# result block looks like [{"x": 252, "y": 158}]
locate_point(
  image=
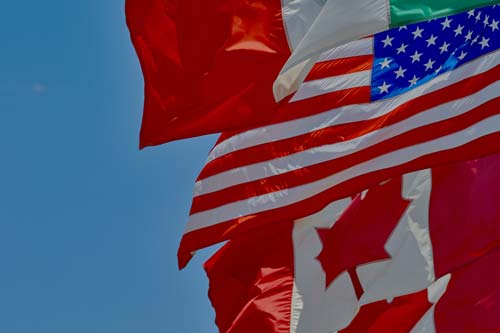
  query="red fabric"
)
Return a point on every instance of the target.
[
  {"x": 399, "y": 316},
  {"x": 472, "y": 300},
  {"x": 251, "y": 282},
  {"x": 208, "y": 65},
  {"x": 464, "y": 212}
]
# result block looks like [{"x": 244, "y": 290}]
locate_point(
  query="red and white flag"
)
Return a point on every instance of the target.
[{"x": 383, "y": 259}]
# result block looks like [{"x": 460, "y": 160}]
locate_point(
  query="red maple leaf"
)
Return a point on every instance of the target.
[{"x": 360, "y": 234}]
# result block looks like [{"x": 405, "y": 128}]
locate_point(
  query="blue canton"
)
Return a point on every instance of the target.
[{"x": 412, "y": 55}]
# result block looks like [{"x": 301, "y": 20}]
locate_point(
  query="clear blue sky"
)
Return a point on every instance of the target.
[{"x": 89, "y": 225}]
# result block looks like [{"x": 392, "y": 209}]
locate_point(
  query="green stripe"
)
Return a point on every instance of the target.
[{"x": 410, "y": 11}]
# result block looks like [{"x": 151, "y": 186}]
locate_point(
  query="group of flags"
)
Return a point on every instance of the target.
[{"x": 356, "y": 180}]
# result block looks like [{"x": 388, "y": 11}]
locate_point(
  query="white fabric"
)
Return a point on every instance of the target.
[
  {"x": 361, "y": 47},
  {"x": 320, "y": 304},
  {"x": 298, "y": 15},
  {"x": 339, "y": 22}
]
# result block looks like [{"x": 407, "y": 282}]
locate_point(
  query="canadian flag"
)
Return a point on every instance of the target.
[{"x": 415, "y": 254}]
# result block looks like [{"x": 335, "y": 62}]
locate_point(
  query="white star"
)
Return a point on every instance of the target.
[
  {"x": 446, "y": 23},
  {"x": 413, "y": 81},
  {"x": 444, "y": 47},
  {"x": 431, "y": 40},
  {"x": 484, "y": 43},
  {"x": 400, "y": 72},
  {"x": 494, "y": 25},
  {"x": 384, "y": 88},
  {"x": 468, "y": 36},
  {"x": 385, "y": 63},
  {"x": 403, "y": 27},
  {"x": 471, "y": 13},
  {"x": 474, "y": 41},
  {"x": 402, "y": 48},
  {"x": 458, "y": 30},
  {"x": 462, "y": 55},
  {"x": 417, "y": 33},
  {"x": 429, "y": 65},
  {"x": 387, "y": 41},
  {"x": 478, "y": 16},
  {"x": 486, "y": 21},
  {"x": 438, "y": 70},
  {"x": 416, "y": 57}
]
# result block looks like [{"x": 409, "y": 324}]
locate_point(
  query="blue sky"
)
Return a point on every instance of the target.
[{"x": 89, "y": 225}]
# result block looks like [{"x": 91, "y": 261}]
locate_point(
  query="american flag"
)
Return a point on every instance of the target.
[{"x": 401, "y": 100}]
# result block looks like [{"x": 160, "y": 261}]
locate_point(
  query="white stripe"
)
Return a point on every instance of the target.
[
  {"x": 290, "y": 196},
  {"x": 360, "y": 47},
  {"x": 339, "y": 22},
  {"x": 331, "y": 84},
  {"x": 333, "y": 151},
  {"x": 350, "y": 113}
]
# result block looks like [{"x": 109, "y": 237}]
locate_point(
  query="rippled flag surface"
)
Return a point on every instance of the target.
[{"x": 405, "y": 99}]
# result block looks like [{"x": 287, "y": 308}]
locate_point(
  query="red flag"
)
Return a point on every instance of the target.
[
  {"x": 251, "y": 283},
  {"x": 208, "y": 65}
]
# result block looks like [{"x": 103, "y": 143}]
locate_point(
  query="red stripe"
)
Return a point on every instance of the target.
[
  {"x": 322, "y": 170},
  {"x": 204, "y": 237},
  {"x": 344, "y": 132},
  {"x": 319, "y": 104},
  {"x": 325, "y": 69}
]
